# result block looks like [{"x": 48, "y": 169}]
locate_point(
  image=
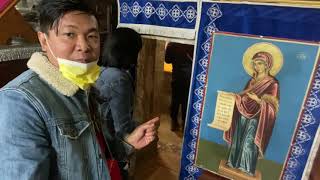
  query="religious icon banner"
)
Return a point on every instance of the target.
[
  {"x": 264, "y": 74},
  {"x": 261, "y": 20}
]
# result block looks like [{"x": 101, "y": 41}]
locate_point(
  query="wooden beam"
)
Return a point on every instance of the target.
[{"x": 8, "y": 7}]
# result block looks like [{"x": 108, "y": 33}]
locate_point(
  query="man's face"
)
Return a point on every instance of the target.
[{"x": 77, "y": 39}]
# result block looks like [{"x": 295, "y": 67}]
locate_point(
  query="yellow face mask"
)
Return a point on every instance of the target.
[{"x": 81, "y": 74}]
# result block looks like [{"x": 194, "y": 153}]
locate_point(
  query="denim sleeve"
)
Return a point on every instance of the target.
[
  {"x": 121, "y": 106},
  {"x": 25, "y": 149}
]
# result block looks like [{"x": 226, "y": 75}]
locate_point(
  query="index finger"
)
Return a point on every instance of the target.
[{"x": 154, "y": 120}]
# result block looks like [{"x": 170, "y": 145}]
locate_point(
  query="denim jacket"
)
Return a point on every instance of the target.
[
  {"x": 45, "y": 128},
  {"x": 115, "y": 91}
]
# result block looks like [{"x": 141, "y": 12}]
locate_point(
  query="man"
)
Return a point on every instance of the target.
[{"x": 50, "y": 125}]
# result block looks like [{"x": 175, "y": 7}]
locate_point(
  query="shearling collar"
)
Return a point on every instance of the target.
[{"x": 40, "y": 64}]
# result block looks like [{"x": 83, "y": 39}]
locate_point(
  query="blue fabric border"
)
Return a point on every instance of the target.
[
  {"x": 276, "y": 21},
  {"x": 159, "y": 13},
  {"x": 290, "y": 22}
]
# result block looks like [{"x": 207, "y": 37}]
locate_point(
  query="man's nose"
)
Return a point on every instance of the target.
[{"x": 83, "y": 44}]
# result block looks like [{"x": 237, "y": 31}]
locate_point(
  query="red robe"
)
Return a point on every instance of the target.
[{"x": 268, "y": 91}]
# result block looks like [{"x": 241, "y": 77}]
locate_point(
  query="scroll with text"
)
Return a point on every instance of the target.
[{"x": 224, "y": 111}]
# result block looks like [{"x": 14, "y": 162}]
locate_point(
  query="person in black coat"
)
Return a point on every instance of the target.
[{"x": 180, "y": 55}]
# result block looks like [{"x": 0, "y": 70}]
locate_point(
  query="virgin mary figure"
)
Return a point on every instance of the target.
[{"x": 256, "y": 109}]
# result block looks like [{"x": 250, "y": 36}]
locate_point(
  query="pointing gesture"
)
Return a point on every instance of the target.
[{"x": 144, "y": 134}]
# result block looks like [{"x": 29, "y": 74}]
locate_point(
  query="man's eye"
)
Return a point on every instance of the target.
[
  {"x": 93, "y": 36},
  {"x": 70, "y": 35}
]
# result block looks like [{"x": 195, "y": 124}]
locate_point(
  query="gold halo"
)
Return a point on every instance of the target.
[{"x": 267, "y": 47}]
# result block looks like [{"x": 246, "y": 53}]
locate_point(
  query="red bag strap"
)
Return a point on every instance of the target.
[
  {"x": 98, "y": 131},
  {"x": 110, "y": 163}
]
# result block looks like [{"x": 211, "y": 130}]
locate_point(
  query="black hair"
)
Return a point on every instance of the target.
[
  {"x": 51, "y": 11},
  {"x": 121, "y": 48}
]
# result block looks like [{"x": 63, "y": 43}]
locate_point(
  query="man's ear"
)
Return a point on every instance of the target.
[{"x": 42, "y": 40}]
